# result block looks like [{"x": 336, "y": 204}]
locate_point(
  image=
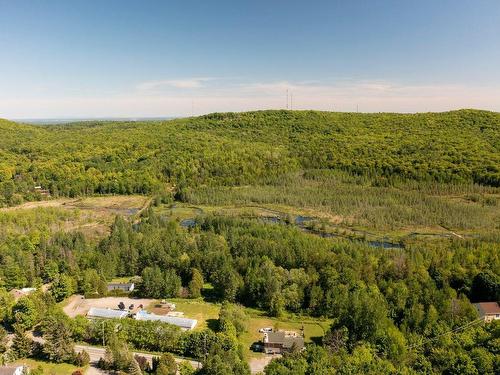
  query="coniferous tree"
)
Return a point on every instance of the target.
[
  {"x": 196, "y": 283},
  {"x": 59, "y": 344},
  {"x": 22, "y": 345}
]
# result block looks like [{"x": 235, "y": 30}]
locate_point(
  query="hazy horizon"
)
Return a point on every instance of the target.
[
  {"x": 63, "y": 120},
  {"x": 88, "y": 59}
]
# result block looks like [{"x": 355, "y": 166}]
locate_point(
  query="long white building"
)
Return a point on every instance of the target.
[
  {"x": 183, "y": 323},
  {"x": 98, "y": 313}
]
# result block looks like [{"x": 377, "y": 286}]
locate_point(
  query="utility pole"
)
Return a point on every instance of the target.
[
  {"x": 103, "y": 340},
  {"x": 286, "y": 98}
]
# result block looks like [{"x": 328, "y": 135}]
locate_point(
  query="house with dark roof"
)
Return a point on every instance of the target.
[
  {"x": 280, "y": 342},
  {"x": 488, "y": 311}
]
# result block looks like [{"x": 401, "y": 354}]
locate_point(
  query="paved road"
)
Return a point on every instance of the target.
[{"x": 95, "y": 353}]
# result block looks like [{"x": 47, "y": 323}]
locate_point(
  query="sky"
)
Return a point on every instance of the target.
[{"x": 119, "y": 58}]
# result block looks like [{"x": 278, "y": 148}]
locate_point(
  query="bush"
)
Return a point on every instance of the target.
[
  {"x": 82, "y": 359},
  {"x": 143, "y": 362}
]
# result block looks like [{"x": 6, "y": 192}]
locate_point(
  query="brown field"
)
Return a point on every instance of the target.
[
  {"x": 78, "y": 305},
  {"x": 92, "y": 216}
]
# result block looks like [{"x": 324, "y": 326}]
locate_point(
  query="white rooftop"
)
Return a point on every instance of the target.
[
  {"x": 184, "y": 323},
  {"x": 96, "y": 312}
]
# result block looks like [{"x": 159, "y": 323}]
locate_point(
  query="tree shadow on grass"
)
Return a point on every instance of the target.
[
  {"x": 213, "y": 324},
  {"x": 209, "y": 295},
  {"x": 318, "y": 340}
]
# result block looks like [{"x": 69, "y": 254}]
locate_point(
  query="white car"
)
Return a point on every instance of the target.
[{"x": 264, "y": 330}]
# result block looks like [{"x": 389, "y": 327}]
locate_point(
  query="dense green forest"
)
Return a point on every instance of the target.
[
  {"x": 402, "y": 310},
  {"x": 246, "y": 148},
  {"x": 393, "y": 311}
]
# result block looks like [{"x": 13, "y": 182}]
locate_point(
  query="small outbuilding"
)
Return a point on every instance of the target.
[
  {"x": 488, "y": 311},
  {"x": 125, "y": 287},
  {"x": 98, "y": 313}
]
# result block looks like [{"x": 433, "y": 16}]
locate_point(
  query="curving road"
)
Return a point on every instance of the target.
[{"x": 95, "y": 353}]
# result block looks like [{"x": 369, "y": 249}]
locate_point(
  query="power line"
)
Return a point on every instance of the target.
[{"x": 455, "y": 330}]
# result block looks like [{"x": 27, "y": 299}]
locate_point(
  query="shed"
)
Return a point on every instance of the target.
[{"x": 126, "y": 287}]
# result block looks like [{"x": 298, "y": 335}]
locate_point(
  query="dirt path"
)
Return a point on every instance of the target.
[
  {"x": 258, "y": 364},
  {"x": 37, "y": 204}
]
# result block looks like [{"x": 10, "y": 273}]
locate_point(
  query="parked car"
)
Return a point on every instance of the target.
[
  {"x": 256, "y": 347},
  {"x": 266, "y": 329}
]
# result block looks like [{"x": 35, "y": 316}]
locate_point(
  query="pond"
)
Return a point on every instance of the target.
[
  {"x": 188, "y": 223},
  {"x": 301, "y": 222}
]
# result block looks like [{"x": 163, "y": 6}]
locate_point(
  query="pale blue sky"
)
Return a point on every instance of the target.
[{"x": 162, "y": 58}]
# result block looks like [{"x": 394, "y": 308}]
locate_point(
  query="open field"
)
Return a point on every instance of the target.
[
  {"x": 92, "y": 215},
  {"x": 207, "y": 314},
  {"x": 314, "y": 329},
  {"x": 372, "y": 214},
  {"x": 125, "y": 204},
  {"x": 77, "y": 305},
  {"x": 204, "y": 312},
  {"x": 48, "y": 367}
]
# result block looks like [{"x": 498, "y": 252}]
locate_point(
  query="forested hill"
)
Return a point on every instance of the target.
[{"x": 245, "y": 148}]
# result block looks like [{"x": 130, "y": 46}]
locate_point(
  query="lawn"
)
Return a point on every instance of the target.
[
  {"x": 49, "y": 368},
  {"x": 207, "y": 314},
  {"x": 314, "y": 329},
  {"x": 91, "y": 216}
]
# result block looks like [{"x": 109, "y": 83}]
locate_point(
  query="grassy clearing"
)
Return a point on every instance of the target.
[
  {"x": 92, "y": 216},
  {"x": 119, "y": 202},
  {"x": 314, "y": 329},
  {"x": 49, "y": 368},
  {"x": 380, "y": 209},
  {"x": 355, "y": 206},
  {"x": 207, "y": 314}
]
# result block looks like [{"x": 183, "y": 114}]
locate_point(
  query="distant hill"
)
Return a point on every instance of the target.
[{"x": 246, "y": 148}]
